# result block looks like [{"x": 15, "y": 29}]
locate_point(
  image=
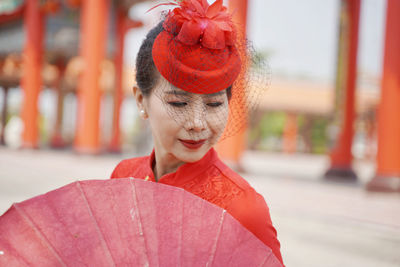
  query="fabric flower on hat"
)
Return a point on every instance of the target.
[
  {"x": 195, "y": 21},
  {"x": 196, "y": 51}
]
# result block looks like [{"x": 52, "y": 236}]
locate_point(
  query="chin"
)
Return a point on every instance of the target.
[{"x": 192, "y": 156}]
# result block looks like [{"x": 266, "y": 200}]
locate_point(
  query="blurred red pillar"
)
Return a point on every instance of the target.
[
  {"x": 290, "y": 133},
  {"x": 123, "y": 24},
  {"x": 231, "y": 149},
  {"x": 115, "y": 144},
  {"x": 341, "y": 156},
  {"x": 4, "y": 18},
  {"x": 57, "y": 139},
  {"x": 32, "y": 80},
  {"x": 388, "y": 157},
  {"x": 4, "y": 115},
  {"x": 93, "y": 39},
  {"x": 74, "y": 3}
]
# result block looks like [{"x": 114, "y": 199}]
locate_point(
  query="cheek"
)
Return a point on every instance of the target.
[
  {"x": 163, "y": 126},
  {"x": 219, "y": 120}
]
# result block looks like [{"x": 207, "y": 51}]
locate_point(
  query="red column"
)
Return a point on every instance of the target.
[
  {"x": 341, "y": 157},
  {"x": 290, "y": 133},
  {"x": 123, "y": 24},
  {"x": 4, "y": 114},
  {"x": 93, "y": 40},
  {"x": 115, "y": 144},
  {"x": 74, "y": 3},
  {"x": 31, "y": 80},
  {"x": 231, "y": 149},
  {"x": 17, "y": 13},
  {"x": 57, "y": 140},
  {"x": 388, "y": 157}
]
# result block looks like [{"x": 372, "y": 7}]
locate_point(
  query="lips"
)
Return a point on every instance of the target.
[{"x": 192, "y": 144}]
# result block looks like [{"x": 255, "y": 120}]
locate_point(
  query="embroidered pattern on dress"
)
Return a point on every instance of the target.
[{"x": 214, "y": 187}]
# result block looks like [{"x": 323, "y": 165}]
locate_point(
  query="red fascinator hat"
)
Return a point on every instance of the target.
[{"x": 196, "y": 52}]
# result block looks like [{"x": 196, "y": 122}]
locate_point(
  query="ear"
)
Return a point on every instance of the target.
[
  {"x": 140, "y": 101},
  {"x": 138, "y": 95}
]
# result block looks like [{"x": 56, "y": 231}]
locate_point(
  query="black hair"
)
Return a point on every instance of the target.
[{"x": 146, "y": 72}]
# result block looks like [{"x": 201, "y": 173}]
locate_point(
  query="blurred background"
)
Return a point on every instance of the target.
[{"x": 326, "y": 161}]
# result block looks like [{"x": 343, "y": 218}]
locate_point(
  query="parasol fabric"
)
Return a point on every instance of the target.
[{"x": 125, "y": 222}]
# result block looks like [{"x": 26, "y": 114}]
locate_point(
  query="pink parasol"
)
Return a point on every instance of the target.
[{"x": 125, "y": 222}]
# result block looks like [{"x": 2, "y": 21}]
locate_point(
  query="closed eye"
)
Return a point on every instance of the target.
[
  {"x": 214, "y": 104},
  {"x": 177, "y": 104}
]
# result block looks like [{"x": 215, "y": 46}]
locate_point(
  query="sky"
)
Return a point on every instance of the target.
[{"x": 299, "y": 37}]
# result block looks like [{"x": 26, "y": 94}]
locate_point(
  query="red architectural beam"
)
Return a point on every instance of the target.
[
  {"x": 123, "y": 24},
  {"x": 115, "y": 144},
  {"x": 388, "y": 158},
  {"x": 289, "y": 142},
  {"x": 16, "y": 14},
  {"x": 341, "y": 156},
  {"x": 231, "y": 149},
  {"x": 31, "y": 80},
  {"x": 73, "y": 3},
  {"x": 93, "y": 39}
]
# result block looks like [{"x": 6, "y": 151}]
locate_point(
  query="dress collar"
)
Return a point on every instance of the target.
[{"x": 185, "y": 172}]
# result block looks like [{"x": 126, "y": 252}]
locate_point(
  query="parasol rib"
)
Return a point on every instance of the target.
[
  {"x": 38, "y": 233},
  {"x": 181, "y": 232},
  {"x": 214, "y": 248},
  {"x": 137, "y": 215},
  {"x": 103, "y": 241}
]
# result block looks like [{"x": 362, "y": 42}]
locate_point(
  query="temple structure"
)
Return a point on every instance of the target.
[{"x": 95, "y": 16}]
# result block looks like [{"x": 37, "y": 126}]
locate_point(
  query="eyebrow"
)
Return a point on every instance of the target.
[
  {"x": 216, "y": 94},
  {"x": 184, "y": 93},
  {"x": 176, "y": 92}
]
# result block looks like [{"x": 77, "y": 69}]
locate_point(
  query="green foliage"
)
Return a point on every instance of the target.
[
  {"x": 272, "y": 124},
  {"x": 44, "y": 129},
  {"x": 319, "y": 137},
  {"x": 266, "y": 133}
]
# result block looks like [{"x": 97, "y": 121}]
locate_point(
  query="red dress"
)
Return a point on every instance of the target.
[{"x": 210, "y": 179}]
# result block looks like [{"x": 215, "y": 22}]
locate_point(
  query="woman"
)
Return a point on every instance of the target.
[{"x": 189, "y": 74}]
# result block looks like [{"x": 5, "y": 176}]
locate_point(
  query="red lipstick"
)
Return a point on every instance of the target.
[{"x": 193, "y": 144}]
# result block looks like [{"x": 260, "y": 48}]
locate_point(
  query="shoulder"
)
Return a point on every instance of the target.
[
  {"x": 236, "y": 191},
  {"x": 217, "y": 183},
  {"x": 249, "y": 202},
  {"x": 233, "y": 176},
  {"x": 129, "y": 167}
]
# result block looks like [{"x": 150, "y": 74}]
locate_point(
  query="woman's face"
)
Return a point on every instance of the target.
[{"x": 184, "y": 125}]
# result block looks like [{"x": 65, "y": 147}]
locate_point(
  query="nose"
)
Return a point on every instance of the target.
[{"x": 196, "y": 121}]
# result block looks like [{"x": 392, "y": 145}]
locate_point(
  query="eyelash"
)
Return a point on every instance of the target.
[
  {"x": 214, "y": 104},
  {"x": 177, "y": 104},
  {"x": 182, "y": 104}
]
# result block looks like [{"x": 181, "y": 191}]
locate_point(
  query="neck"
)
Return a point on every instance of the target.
[{"x": 165, "y": 163}]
